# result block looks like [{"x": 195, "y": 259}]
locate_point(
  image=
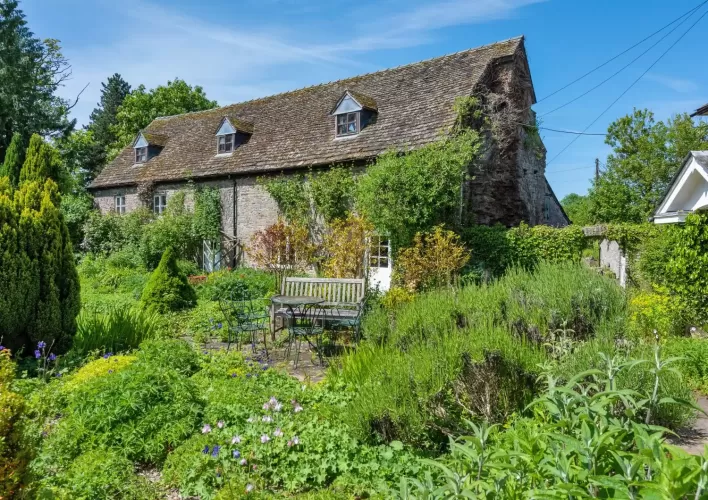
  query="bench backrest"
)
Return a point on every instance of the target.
[{"x": 333, "y": 290}]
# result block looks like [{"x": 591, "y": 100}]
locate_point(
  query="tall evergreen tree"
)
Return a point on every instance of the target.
[
  {"x": 38, "y": 278},
  {"x": 13, "y": 160},
  {"x": 103, "y": 117},
  {"x": 41, "y": 162},
  {"x": 31, "y": 71}
]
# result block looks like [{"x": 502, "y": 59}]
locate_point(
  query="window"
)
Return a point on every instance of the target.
[
  {"x": 141, "y": 155},
  {"x": 120, "y": 204},
  {"x": 347, "y": 124},
  {"x": 159, "y": 203},
  {"x": 225, "y": 143},
  {"x": 379, "y": 251}
]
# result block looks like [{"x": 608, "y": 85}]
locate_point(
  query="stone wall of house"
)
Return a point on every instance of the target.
[
  {"x": 554, "y": 215},
  {"x": 104, "y": 199},
  {"x": 255, "y": 209}
]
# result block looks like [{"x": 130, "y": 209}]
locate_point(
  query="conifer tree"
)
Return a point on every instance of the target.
[
  {"x": 168, "y": 288},
  {"x": 38, "y": 278},
  {"x": 41, "y": 162},
  {"x": 13, "y": 160}
]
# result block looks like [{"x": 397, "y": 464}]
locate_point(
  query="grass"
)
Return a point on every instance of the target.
[{"x": 117, "y": 330}]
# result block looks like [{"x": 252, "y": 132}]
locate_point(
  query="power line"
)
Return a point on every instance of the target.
[
  {"x": 691, "y": 12},
  {"x": 632, "y": 84},
  {"x": 564, "y": 131},
  {"x": 621, "y": 53},
  {"x": 569, "y": 169}
]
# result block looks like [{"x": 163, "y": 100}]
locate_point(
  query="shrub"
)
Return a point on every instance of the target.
[
  {"x": 76, "y": 208},
  {"x": 654, "y": 256},
  {"x": 102, "y": 233},
  {"x": 333, "y": 193},
  {"x": 434, "y": 260},
  {"x": 345, "y": 247},
  {"x": 168, "y": 289},
  {"x": 141, "y": 411},
  {"x": 104, "y": 365},
  {"x": 281, "y": 249},
  {"x": 692, "y": 362},
  {"x": 101, "y": 474},
  {"x": 12, "y": 461},
  {"x": 651, "y": 312},
  {"x": 116, "y": 330},
  {"x": 688, "y": 268},
  {"x": 40, "y": 285},
  {"x": 241, "y": 282},
  {"x": 14, "y": 157},
  {"x": 395, "y": 297},
  {"x": 41, "y": 162}
]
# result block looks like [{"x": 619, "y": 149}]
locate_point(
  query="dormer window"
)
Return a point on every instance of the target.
[
  {"x": 225, "y": 143},
  {"x": 353, "y": 112},
  {"x": 141, "y": 154},
  {"x": 348, "y": 124}
]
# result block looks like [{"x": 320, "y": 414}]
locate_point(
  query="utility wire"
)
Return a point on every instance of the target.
[
  {"x": 690, "y": 13},
  {"x": 562, "y": 131},
  {"x": 631, "y": 85},
  {"x": 569, "y": 169},
  {"x": 621, "y": 53}
]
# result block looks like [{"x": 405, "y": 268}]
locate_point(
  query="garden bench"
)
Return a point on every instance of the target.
[{"x": 343, "y": 297}]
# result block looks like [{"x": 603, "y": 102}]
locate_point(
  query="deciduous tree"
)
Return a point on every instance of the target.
[{"x": 577, "y": 207}]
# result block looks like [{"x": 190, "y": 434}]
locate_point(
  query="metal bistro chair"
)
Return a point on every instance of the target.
[
  {"x": 249, "y": 317},
  {"x": 346, "y": 318},
  {"x": 307, "y": 323}
]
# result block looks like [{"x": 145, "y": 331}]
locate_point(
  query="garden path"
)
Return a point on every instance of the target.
[{"x": 693, "y": 439}]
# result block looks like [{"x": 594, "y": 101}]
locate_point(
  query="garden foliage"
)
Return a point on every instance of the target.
[
  {"x": 168, "y": 288},
  {"x": 14, "y": 157},
  {"x": 433, "y": 261},
  {"x": 115, "y": 330},
  {"x": 345, "y": 246},
  {"x": 12, "y": 459},
  {"x": 38, "y": 278},
  {"x": 41, "y": 162}
]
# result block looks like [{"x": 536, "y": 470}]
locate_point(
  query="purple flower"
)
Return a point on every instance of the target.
[
  {"x": 219, "y": 325},
  {"x": 243, "y": 462},
  {"x": 110, "y": 371},
  {"x": 236, "y": 453},
  {"x": 236, "y": 440},
  {"x": 215, "y": 451},
  {"x": 266, "y": 406},
  {"x": 278, "y": 433},
  {"x": 41, "y": 344},
  {"x": 37, "y": 354},
  {"x": 59, "y": 375},
  {"x": 265, "y": 438},
  {"x": 265, "y": 367},
  {"x": 234, "y": 375},
  {"x": 206, "y": 429},
  {"x": 220, "y": 424},
  {"x": 205, "y": 450},
  {"x": 248, "y": 375},
  {"x": 107, "y": 355},
  {"x": 52, "y": 357},
  {"x": 2, "y": 347}
]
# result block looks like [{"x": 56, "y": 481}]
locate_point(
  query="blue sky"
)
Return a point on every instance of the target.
[{"x": 251, "y": 48}]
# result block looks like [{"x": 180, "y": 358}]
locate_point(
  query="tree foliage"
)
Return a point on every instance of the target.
[
  {"x": 30, "y": 73},
  {"x": 141, "y": 107},
  {"x": 405, "y": 194},
  {"x": 14, "y": 157},
  {"x": 577, "y": 207},
  {"x": 646, "y": 155},
  {"x": 333, "y": 193},
  {"x": 40, "y": 298},
  {"x": 104, "y": 116},
  {"x": 41, "y": 162},
  {"x": 168, "y": 288}
]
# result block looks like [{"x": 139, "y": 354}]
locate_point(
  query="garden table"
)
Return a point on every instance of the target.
[{"x": 292, "y": 302}]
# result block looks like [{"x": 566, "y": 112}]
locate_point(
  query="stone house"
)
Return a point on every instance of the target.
[{"x": 349, "y": 122}]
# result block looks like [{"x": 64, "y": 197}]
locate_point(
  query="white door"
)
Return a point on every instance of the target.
[
  {"x": 380, "y": 264},
  {"x": 211, "y": 256}
]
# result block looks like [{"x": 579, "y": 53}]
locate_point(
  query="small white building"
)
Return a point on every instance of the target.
[{"x": 688, "y": 191}]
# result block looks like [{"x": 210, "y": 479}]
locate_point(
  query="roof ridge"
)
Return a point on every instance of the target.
[{"x": 308, "y": 87}]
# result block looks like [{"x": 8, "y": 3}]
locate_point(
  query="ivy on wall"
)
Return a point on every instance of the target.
[{"x": 206, "y": 222}]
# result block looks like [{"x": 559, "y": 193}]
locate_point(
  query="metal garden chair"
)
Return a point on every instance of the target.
[
  {"x": 250, "y": 317},
  {"x": 306, "y": 323}
]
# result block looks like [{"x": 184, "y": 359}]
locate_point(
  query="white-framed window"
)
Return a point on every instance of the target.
[
  {"x": 379, "y": 252},
  {"x": 120, "y": 204},
  {"x": 225, "y": 143},
  {"x": 141, "y": 155},
  {"x": 348, "y": 124},
  {"x": 159, "y": 203}
]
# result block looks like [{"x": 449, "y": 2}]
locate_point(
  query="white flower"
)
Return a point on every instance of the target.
[
  {"x": 267, "y": 418},
  {"x": 296, "y": 440},
  {"x": 206, "y": 429},
  {"x": 220, "y": 424},
  {"x": 297, "y": 409},
  {"x": 278, "y": 433},
  {"x": 250, "y": 420},
  {"x": 266, "y": 406},
  {"x": 277, "y": 407},
  {"x": 265, "y": 438},
  {"x": 236, "y": 440},
  {"x": 243, "y": 461},
  {"x": 249, "y": 488}
]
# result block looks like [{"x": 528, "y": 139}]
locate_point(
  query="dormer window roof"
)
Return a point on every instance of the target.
[
  {"x": 227, "y": 133},
  {"x": 348, "y": 113},
  {"x": 147, "y": 145}
]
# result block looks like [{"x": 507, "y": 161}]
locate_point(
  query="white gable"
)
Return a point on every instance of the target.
[
  {"x": 347, "y": 105},
  {"x": 140, "y": 142},
  {"x": 688, "y": 192},
  {"x": 226, "y": 128}
]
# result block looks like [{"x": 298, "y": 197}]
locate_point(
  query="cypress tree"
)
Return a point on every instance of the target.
[
  {"x": 13, "y": 160},
  {"x": 168, "y": 288},
  {"x": 41, "y": 162},
  {"x": 38, "y": 278}
]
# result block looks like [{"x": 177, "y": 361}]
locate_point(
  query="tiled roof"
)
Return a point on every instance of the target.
[
  {"x": 294, "y": 129},
  {"x": 155, "y": 139}
]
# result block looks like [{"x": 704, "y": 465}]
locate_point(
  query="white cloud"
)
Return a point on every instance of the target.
[
  {"x": 234, "y": 62},
  {"x": 681, "y": 85}
]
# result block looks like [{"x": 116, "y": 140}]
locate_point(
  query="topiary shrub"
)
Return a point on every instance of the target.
[{"x": 168, "y": 288}]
